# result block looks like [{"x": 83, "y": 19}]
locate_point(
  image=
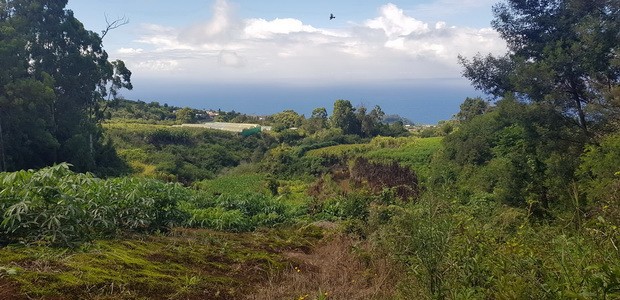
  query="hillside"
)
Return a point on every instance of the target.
[{"x": 517, "y": 196}]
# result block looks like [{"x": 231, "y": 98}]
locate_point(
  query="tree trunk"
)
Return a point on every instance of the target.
[{"x": 2, "y": 147}]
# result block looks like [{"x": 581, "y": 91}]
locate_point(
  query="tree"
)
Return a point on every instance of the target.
[
  {"x": 472, "y": 107},
  {"x": 369, "y": 123},
  {"x": 43, "y": 42},
  {"x": 561, "y": 52},
  {"x": 286, "y": 119},
  {"x": 525, "y": 154},
  {"x": 343, "y": 117},
  {"x": 185, "y": 115},
  {"x": 317, "y": 121}
]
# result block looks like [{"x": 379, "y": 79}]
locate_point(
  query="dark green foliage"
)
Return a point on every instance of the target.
[
  {"x": 562, "y": 53},
  {"x": 55, "y": 75},
  {"x": 26, "y": 125},
  {"x": 286, "y": 120},
  {"x": 343, "y": 117},
  {"x": 291, "y": 162},
  {"x": 289, "y": 136},
  {"x": 317, "y": 121},
  {"x": 140, "y": 111},
  {"x": 184, "y": 154},
  {"x": 163, "y": 137},
  {"x": 472, "y": 107},
  {"x": 523, "y": 153},
  {"x": 185, "y": 115}
]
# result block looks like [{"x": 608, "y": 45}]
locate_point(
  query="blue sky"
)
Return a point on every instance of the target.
[{"x": 291, "y": 47}]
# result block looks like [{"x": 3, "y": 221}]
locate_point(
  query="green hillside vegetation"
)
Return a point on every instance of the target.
[
  {"x": 516, "y": 197},
  {"x": 183, "y": 154}
]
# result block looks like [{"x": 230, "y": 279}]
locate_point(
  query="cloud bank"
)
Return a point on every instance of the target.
[{"x": 391, "y": 46}]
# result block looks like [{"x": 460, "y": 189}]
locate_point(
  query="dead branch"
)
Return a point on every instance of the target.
[{"x": 118, "y": 22}]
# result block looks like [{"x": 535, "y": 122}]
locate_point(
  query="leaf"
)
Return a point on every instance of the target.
[
  {"x": 11, "y": 271},
  {"x": 8, "y": 271}
]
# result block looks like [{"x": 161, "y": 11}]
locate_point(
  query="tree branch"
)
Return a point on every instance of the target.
[{"x": 118, "y": 22}]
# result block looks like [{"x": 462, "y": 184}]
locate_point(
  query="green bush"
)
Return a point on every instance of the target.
[
  {"x": 238, "y": 211},
  {"x": 58, "y": 207},
  {"x": 351, "y": 206}
]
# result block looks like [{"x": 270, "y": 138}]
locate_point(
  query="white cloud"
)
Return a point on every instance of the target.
[
  {"x": 130, "y": 50},
  {"x": 262, "y": 29},
  {"x": 395, "y": 23},
  {"x": 157, "y": 65},
  {"x": 392, "y": 46},
  {"x": 230, "y": 59}
]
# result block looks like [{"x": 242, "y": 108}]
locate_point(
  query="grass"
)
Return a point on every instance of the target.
[
  {"x": 415, "y": 153},
  {"x": 412, "y": 152},
  {"x": 187, "y": 264},
  {"x": 233, "y": 183}
]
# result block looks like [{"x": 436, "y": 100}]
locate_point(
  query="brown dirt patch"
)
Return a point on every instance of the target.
[
  {"x": 9, "y": 290},
  {"x": 340, "y": 266}
]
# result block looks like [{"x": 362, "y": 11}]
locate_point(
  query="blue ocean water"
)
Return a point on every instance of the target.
[{"x": 421, "y": 101}]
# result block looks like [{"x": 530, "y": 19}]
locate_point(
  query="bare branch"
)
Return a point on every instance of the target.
[{"x": 118, "y": 22}]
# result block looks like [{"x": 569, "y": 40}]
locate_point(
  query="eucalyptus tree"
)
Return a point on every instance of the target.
[{"x": 50, "y": 48}]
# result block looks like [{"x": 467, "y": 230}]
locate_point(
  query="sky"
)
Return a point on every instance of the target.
[{"x": 262, "y": 57}]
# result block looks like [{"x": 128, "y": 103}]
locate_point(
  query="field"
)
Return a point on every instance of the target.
[{"x": 232, "y": 127}]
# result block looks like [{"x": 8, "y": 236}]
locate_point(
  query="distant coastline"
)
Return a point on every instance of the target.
[{"x": 423, "y": 101}]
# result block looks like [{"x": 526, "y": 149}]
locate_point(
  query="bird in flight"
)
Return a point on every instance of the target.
[{"x": 331, "y": 16}]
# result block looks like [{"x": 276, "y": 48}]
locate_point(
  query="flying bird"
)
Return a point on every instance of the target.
[{"x": 331, "y": 16}]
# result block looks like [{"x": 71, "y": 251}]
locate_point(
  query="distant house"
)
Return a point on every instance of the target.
[{"x": 212, "y": 113}]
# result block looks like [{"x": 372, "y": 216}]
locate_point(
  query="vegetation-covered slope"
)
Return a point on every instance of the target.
[{"x": 519, "y": 199}]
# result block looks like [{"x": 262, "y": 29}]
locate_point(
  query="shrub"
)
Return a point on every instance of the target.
[
  {"x": 58, "y": 207},
  {"x": 237, "y": 211},
  {"x": 380, "y": 176}
]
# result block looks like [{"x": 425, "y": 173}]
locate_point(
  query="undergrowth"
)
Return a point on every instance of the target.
[{"x": 185, "y": 264}]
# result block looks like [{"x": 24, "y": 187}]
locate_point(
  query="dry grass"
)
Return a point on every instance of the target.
[{"x": 340, "y": 267}]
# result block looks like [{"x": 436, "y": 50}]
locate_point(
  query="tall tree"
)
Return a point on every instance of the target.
[
  {"x": 343, "y": 117},
  {"x": 472, "y": 107},
  {"x": 371, "y": 123},
  {"x": 317, "y": 121},
  {"x": 563, "y": 53},
  {"x": 51, "y": 42}
]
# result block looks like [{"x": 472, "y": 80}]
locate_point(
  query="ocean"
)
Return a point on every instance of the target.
[{"x": 421, "y": 101}]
